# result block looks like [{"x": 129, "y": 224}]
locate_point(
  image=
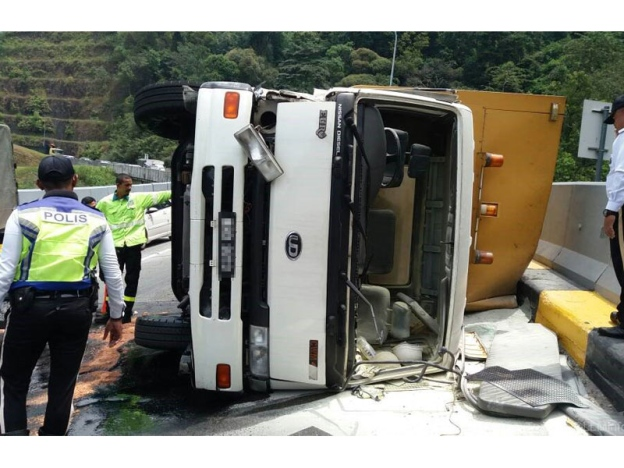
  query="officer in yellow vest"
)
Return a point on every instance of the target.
[
  {"x": 50, "y": 247},
  {"x": 125, "y": 213}
]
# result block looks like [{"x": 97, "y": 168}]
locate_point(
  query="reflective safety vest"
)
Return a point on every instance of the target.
[
  {"x": 61, "y": 241},
  {"x": 126, "y": 215}
]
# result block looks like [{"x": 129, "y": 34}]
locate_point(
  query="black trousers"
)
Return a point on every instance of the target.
[
  {"x": 617, "y": 247},
  {"x": 129, "y": 259},
  {"x": 62, "y": 324}
]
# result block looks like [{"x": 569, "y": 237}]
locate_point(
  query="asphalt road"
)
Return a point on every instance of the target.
[{"x": 129, "y": 391}]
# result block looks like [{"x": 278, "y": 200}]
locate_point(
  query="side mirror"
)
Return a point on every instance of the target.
[{"x": 420, "y": 156}]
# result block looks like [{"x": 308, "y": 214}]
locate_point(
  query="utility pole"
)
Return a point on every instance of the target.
[
  {"x": 605, "y": 111},
  {"x": 393, "y": 58}
]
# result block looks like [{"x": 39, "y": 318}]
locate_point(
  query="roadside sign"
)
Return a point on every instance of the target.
[{"x": 594, "y": 112}]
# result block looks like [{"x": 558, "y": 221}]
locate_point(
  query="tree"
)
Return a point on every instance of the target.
[
  {"x": 506, "y": 77},
  {"x": 252, "y": 68},
  {"x": 128, "y": 143}
]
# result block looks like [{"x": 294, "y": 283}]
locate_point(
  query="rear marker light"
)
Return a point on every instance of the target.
[
  {"x": 224, "y": 379},
  {"x": 483, "y": 257},
  {"x": 489, "y": 209},
  {"x": 493, "y": 160},
  {"x": 230, "y": 105}
]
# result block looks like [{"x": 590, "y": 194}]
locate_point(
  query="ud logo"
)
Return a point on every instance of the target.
[
  {"x": 293, "y": 245},
  {"x": 322, "y": 124}
]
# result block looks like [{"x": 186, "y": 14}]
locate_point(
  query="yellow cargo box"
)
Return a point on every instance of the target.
[{"x": 525, "y": 129}]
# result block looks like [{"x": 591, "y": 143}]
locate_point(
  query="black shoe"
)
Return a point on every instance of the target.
[
  {"x": 611, "y": 332},
  {"x": 127, "y": 316},
  {"x": 18, "y": 432},
  {"x": 614, "y": 318}
]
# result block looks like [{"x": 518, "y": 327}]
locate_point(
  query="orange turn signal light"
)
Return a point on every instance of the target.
[
  {"x": 493, "y": 160},
  {"x": 483, "y": 257},
  {"x": 230, "y": 105},
  {"x": 489, "y": 209},
  {"x": 224, "y": 376}
]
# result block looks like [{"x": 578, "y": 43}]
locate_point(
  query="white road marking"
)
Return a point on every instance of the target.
[{"x": 157, "y": 254}]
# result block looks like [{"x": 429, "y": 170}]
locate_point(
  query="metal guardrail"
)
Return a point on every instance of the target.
[
  {"x": 157, "y": 180},
  {"x": 146, "y": 174},
  {"x": 28, "y": 195}
]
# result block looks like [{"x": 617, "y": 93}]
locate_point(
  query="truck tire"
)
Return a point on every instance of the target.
[
  {"x": 159, "y": 108},
  {"x": 162, "y": 332}
]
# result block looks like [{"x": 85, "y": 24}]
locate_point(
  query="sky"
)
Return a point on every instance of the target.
[{"x": 325, "y": 15}]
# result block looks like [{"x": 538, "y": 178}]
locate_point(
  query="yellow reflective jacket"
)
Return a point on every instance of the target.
[
  {"x": 126, "y": 216},
  {"x": 60, "y": 245}
]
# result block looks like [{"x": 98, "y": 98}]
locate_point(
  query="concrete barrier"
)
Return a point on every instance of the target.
[
  {"x": 95, "y": 192},
  {"x": 572, "y": 241}
]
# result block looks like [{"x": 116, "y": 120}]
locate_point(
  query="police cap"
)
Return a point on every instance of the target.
[
  {"x": 618, "y": 103},
  {"x": 55, "y": 169}
]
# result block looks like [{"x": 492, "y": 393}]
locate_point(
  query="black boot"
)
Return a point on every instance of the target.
[
  {"x": 19, "y": 432},
  {"x": 127, "y": 316},
  {"x": 42, "y": 432}
]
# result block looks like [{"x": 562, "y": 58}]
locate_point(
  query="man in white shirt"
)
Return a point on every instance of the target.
[{"x": 613, "y": 219}]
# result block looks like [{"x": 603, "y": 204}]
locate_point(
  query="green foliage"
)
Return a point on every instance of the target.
[
  {"x": 128, "y": 143},
  {"x": 574, "y": 169},
  {"x": 31, "y": 123},
  {"x": 37, "y": 103},
  {"x": 363, "y": 79},
  {"x": 88, "y": 176},
  {"x": 93, "y": 176},
  {"x": 506, "y": 77},
  {"x": 252, "y": 69},
  {"x": 46, "y": 67},
  {"x": 94, "y": 151}
]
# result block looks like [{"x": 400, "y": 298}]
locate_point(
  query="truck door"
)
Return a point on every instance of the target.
[
  {"x": 525, "y": 130},
  {"x": 298, "y": 244}
]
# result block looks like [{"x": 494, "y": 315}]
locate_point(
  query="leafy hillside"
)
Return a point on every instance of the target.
[
  {"x": 26, "y": 156},
  {"x": 27, "y": 161},
  {"x": 76, "y": 89},
  {"x": 55, "y": 87}
]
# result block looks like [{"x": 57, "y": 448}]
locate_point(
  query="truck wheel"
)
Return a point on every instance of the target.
[
  {"x": 159, "y": 108},
  {"x": 162, "y": 332}
]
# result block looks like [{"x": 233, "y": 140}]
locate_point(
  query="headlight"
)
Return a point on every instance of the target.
[
  {"x": 259, "y": 153},
  {"x": 259, "y": 351}
]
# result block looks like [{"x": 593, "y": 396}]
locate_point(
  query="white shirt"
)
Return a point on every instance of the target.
[
  {"x": 615, "y": 177},
  {"x": 10, "y": 255}
]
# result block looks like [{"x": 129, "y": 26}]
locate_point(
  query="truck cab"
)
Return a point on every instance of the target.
[{"x": 310, "y": 227}]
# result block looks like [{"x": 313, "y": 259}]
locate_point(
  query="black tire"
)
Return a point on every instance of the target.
[
  {"x": 162, "y": 332},
  {"x": 159, "y": 108}
]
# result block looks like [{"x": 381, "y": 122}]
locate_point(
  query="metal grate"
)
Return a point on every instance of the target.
[{"x": 531, "y": 386}]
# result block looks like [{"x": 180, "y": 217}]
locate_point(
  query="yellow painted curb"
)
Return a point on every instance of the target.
[{"x": 572, "y": 315}]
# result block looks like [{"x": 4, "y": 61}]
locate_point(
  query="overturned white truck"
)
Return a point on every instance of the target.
[{"x": 306, "y": 227}]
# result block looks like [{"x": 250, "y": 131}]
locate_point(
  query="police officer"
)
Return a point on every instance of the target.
[
  {"x": 613, "y": 216},
  {"x": 125, "y": 213},
  {"x": 50, "y": 247}
]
